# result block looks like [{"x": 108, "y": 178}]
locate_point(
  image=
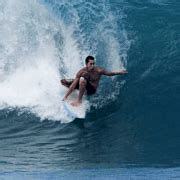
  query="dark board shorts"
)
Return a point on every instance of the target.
[{"x": 89, "y": 88}]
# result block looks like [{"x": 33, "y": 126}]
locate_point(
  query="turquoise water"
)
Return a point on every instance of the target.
[
  {"x": 131, "y": 129},
  {"x": 123, "y": 173}
]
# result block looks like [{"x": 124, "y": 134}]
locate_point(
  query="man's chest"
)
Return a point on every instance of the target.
[{"x": 94, "y": 76}]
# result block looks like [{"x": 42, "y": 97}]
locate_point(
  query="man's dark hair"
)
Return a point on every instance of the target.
[{"x": 88, "y": 58}]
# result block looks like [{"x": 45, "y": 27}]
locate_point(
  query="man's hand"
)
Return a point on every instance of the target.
[{"x": 123, "y": 72}]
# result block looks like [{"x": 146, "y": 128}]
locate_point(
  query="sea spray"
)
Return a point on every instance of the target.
[{"x": 41, "y": 44}]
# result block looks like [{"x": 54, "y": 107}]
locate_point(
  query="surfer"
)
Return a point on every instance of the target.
[{"x": 87, "y": 80}]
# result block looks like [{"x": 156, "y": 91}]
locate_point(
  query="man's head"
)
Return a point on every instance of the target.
[{"x": 90, "y": 62}]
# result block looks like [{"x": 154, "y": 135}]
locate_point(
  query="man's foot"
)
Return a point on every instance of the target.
[{"x": 76, "y": 103}]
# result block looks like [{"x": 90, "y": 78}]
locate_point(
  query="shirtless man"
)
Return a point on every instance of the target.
[{"x": 87, "y": 80}]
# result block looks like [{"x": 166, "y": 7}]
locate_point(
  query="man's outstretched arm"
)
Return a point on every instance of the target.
[
  {"x": 113, "y": 73},
  {"x": 71, "y": 88}
]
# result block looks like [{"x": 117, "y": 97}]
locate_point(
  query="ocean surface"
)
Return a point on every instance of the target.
[{"x": 132, "y": 125}]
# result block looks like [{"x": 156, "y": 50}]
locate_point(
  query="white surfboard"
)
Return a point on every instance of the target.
[{"x": 74, "y": 112}]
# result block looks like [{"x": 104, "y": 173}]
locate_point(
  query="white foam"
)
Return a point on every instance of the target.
[
  {"x": 30, "y": 77},
  {"x": 32, "y": 63}
]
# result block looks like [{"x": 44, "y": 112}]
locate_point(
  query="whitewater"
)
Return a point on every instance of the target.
[{"x": 39, "y": 47}]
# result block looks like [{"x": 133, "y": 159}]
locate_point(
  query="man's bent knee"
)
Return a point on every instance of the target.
[{"x": 82, "y": 81}]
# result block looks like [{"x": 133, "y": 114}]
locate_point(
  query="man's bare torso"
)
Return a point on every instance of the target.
[{"x": 92, "y": 76}]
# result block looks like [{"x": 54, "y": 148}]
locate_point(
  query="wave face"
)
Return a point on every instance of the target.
[
  {"x": 42, "y": 42},
  {"x": 133, "y": 120}
]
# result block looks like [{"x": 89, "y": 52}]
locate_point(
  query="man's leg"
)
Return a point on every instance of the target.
[{"x": 82, "y": 89}]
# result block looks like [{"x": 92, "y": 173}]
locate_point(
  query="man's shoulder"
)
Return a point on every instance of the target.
[
  {"x": 99, "y": 69},
  {"x": 82, "y": 69},
  {"x": 79, "y": 73}
]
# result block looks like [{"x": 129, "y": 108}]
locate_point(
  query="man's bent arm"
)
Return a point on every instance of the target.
[
  {"x": 113, "y": 73},
  {"x": 71, "y": 88}
]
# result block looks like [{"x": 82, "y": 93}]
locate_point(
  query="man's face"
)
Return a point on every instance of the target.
[{"x": 90, "y": 65}]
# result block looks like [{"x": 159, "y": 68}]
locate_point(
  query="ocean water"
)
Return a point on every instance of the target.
[{"x": 131, "y": 129}]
